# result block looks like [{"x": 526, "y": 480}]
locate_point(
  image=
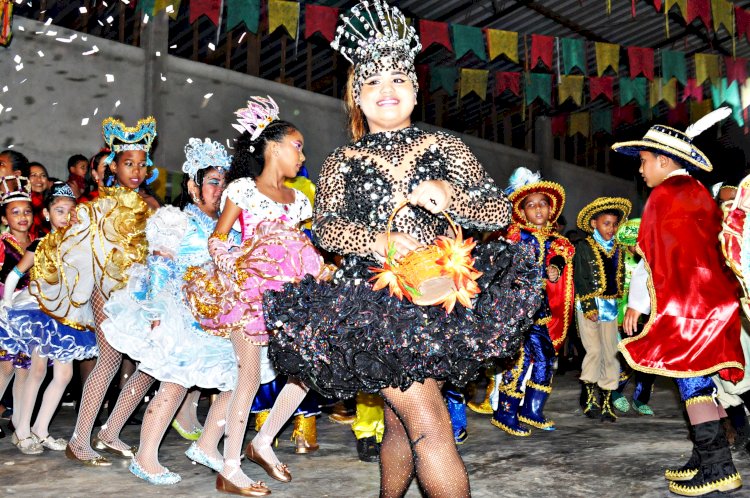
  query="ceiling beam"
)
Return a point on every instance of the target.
[
  {"x": 561, "y": 20},
  {"x": 689, "y": 30}
]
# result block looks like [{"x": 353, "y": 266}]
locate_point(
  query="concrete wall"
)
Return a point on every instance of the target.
[{"x": 51, "y": 95}]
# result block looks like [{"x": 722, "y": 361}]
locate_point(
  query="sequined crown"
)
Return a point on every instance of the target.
[
  {"x": 119, "y": 137},
  {"x": 259, "y": 113},
  {"x": 201, "y": 154},
  {"x": 62, "y": 189},
  {"x": 14, "y": 188},
  {"x": 372, "y": 28}
]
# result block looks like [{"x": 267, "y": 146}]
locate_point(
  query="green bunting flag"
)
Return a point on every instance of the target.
[{"x": 574, "y": 54}]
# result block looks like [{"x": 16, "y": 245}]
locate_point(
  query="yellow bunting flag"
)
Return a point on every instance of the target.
[
  {"x": 160, "y": 5},
  {"x": 659, "y": 91},
  {"x": 722, "y": 12},
  {"x": 700, "y": 109},
  {"x": 570, "y": 87},
  {"x": 283, "y": 13},
  {"x": 707, "y": 67},
  {"x": 682, "y": 4},
  {"x": 607, "y": 55},
  {"x": 579, "y": 123},
  {"x": 502, "y": 43},
  {"x": 474, "y": 80}
]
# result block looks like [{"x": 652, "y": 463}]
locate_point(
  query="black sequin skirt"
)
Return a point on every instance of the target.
[{"x": 341, "y": 337}]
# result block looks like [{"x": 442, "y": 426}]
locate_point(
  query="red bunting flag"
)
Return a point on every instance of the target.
[
  {"x": 692, "y": 91},
  {"x": 559, "y": 125},
  {"x": 700, "y": 9},
  {"x": 601, "y": 86},
  {"x": 742, "y": 18},
  {"x": 622, "y": 115},
  {"x": 208, "y": 8},
  {"x": 641, "y": 60},
  {"x": 657, "y": 5},
  {"x": 434, "y": 32},
  {"x": 508, "y": 81},
  {"x": 423, "y": 75},
  {"x": 679, "y": 116},
  {"x": 541, "y": 48},
  {"x": 736, "y": 69},
  {"x": 321, "y": 19}
]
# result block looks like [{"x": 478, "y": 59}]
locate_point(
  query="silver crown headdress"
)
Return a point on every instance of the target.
[
  {"x": 14, "y": 188},
  {"x": 259, "y": 113},
  {"x": 201, "y": 154},
  {"x": 62, "y": 189},
  {"x": 375, "y": 36}
]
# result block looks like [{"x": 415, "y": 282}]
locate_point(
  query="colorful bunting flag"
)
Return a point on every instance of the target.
[
  {"x": 641, "y": 62},
  {"x": 443, "y": 77},
  {"x": 160, "y": 5},
  {"x": 243, "y": 11},
  {"x": 700, "y": 109},
  {"x": 145, "y": 6},
  {"x": 673, "y": 65},
  {"x": 657, "y": 5},
  {"x": 574, "y": 54},
  {"x": 434, "y": 32},
  {"x": 321, "y": 19},
  {"x": 468, "y": 39},
  {"x": 692, "y": 91},
  {"x": 579, "y": 123},
  {"x": 742, "y": 18},
  {"x": 473, "y": 80},
  {"x": 423, "y": 76},
  {"x": 729, "y": 94},
  {"x": 633, "y": 89},
  {"x": 510, "y": 81},
  {"x": 541, "y": 49},
  {"x": 570, "y": 87},
  {"x": 736, "y": 69},
  {"x": 722, "y": 12},
  {"x": 682, "y": 4},
  {"x": 601, "y": 120},
  {"x": 208, "y": 8},
  {"x": 707, "y": 67},
  {"x": 607, "y": 55},
  {"x": 745, "y": 94},
  {"x": 699, "y": 9},
  {"x": 502, "y": 43},
  {"x": 559, "y": 125},
  {"x": 601, "y": 86},
  {"x": 283, "y": 13},
  {"x": 678, "y": 117},
  {"x": 623, "y": 115},
  {"x": 538, "y": 86},
  {"x": 659, "y": 91}
]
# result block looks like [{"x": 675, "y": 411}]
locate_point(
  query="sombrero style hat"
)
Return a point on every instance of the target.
[
  {"x": 674, "y": 143},
  {"x": 523, "y": 183},
  {"x": 603, "y": 204},
  {"x": 627, "y": 234}
]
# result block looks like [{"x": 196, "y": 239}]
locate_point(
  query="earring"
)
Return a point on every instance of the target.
[{"x": 46, "y": 218}]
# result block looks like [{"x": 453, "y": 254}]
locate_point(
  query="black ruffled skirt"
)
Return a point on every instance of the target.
[{"x": 341, "y": 337}]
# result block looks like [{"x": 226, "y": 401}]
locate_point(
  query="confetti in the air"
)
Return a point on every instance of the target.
[
  {"x": 117, "y": 104},
  {"x": 169, "y": 9},
  {"x": 211, "y": 47},
  {"x": 189, "y": 80},
  {"x": 82, "y": 10},
  {"x": 163, "y": 78},
  {"x": 242, "y": 36},
  {"x": 93, "y": 50},
  {"x": 17, "y": 59},
  {"x": 110, "y": 78},
  {"x": 40, "y": 53},
  {"x": 84, "y": 121},
  {"x": 19, "y": 67}
]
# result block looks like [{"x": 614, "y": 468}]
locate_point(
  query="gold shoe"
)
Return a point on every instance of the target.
[
  {"x": 340, "y": 415},
  {"x": 99, "y": 444},
  {"x": 484, "y": 408},
  {"x": 305, "y": 434},
  {"x": 98, "y": 461},
  {"x": 223, "y": 485},
  {"x": 280, "y": 472}
]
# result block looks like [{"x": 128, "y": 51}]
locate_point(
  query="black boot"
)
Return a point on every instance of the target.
[
  {"x": 608, "y": 413},
  {"x": 687, "y": 471},
  {"x": 368, "y": 449},
  {"x": 716, "y": 471},
  {"x": 589, "y": 404}
]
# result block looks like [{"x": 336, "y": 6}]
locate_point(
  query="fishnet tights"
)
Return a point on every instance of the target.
[
  {"x": 96, "y": 385},
  {"x": 238, "y": 411},
  {"x": 130, "y": 397},
  {"x": 213, "y": 428},
  {"x": 286, "y": 403},
  {"x": 418, "y": 438},
  {"x": 187, "y": 414},
  {"x": 159, "y": 413},
  {"x": 62, "y": 373}
]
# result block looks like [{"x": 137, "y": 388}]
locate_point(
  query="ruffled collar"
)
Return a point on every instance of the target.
[
  {"x": 390, "y": 138},
  {"x": 202, "y": 219}
]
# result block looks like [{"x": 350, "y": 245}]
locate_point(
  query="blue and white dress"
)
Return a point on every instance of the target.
[
  {"x": 27, "y": 328},
  {"x": 176, "y": 350}
]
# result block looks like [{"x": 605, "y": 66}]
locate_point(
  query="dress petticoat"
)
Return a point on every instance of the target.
[{"x": 342, "y": 337}]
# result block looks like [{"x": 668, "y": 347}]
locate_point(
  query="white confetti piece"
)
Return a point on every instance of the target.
[
  {"x": 40, "y": 53},
  {"x": 110, "y": 78},
  {"x": 105, "y": 3},
  {"x": 48, "y": 22},
  {"x": 5, "y": 88},
  {"x": 93, "y": 50},
  {"x": 51, "y": 33},
  {"x": 100, "y": 23},
  {"x": 117, "y": 104},
  {"x": 67, "y": 40},
  {"x": 163, "y": 78},
  {"x": 126, "y": 2},
  {"x": 54, "y": 103},
  {"x": 146, "y": 399},
  {"x": 13, "y": 463},
  {"x": 173, "y": 46},
  {"x": 84, "y": 121},
  {"x": 242, "y": 37},
  {"x": 145, "y": 18},
  {"x": 11, "y": 146},
  {"x": 17, "y": 59},
  {"x": 82, "y": 10},
  {"x": 208, "y": 96},
  {"x": 110, "y": 19},
  {"x": 22, "y": 81},
  {"x": 221, "y": 423},
  {"x": 19, "y": 67},
  {"x": 21, "y": 28},
  {"x": 189, "y": 80},
  {"x": 96, "y": 111},
  {"x": 158, "y": 54},
  {"x": 1, "y": 108},
  {"x": 169, "y": 9},
  {"x": 211, "y": 47}
]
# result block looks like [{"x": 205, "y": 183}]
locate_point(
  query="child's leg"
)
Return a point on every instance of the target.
[
  {"x": 610, "y": 374},
  {"x": 25, "y": 407},
  {"x": 130, "y": 397},
  {"x": 159, "y": 414},
  {"x": 62, "y": 373},
  {"x": 591, "y": 369}
]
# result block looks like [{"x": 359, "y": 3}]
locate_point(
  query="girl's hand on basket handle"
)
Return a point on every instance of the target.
[
  {"x": 403, "y": 243},
  {"x": 433, "y": 195}
]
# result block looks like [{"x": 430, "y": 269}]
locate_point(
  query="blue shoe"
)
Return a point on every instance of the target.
[
  {"x": 457, "y": 411},
  {"x": 197, "y": 455},
  {"x": 162, "y": 479}
]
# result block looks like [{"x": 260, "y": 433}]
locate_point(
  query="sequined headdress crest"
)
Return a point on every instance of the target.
[
  {"x": 14, "y": 188},
  {"x": 201, "y": 154},
  {"x": 119, "y": 137},
  {"x": 62, "y": 189},
  {"x": 375, "y": 36},
  {"x": 259, "y": 113}
]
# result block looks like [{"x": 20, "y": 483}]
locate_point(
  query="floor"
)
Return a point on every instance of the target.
[{"x": 582, "y": 458}]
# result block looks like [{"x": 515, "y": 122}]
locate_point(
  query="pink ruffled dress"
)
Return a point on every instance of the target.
[{"x": 227, "y": 294}]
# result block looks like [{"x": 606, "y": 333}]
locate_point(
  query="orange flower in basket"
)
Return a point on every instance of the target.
[
  {"x": 456, "y": 259},
  {"x": 386, "y": 277}
]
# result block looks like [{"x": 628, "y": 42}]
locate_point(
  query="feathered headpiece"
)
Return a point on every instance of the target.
[
  {"x": 204, "y": 154},
  {"x": 674, "y": 143},
  {"x": 524, "y": 182},
  {"x": 259, "y": 113},
  {"x": 14, "y": 188},
  {"x": 375, "y": 36},
  {"x": 119, "y": 137}
]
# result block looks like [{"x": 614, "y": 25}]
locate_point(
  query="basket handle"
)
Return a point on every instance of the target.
[{"x": 393, "y": 215}]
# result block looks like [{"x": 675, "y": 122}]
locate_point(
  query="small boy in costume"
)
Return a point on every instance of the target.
[
  {"x": 537, "y": 205},
  {"x": 599, "y": 274},
  {"x": 690, "y": 295}
]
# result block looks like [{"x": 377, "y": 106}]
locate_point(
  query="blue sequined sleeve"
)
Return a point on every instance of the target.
[{"x": 161, "y": 270}]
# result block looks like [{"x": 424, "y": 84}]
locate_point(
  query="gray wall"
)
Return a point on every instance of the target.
[{"x": 145, "y": 83}]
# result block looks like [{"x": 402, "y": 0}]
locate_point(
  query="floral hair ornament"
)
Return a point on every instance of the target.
[
  {"x": 375, "y": 37},
  {"x": 259, "y": 113},
  {"x": 523, "y": 182},
  {"x": 14, "y": 188},
  {"x": 202, "y": 154},
  {"x": 62, "y": 189}
]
